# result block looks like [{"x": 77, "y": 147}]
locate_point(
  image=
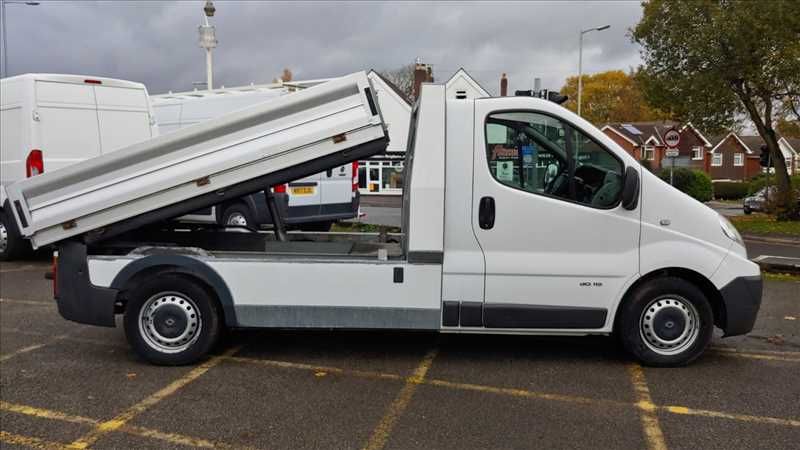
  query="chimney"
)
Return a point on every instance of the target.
[
  {"x": 503, "y": 85},
  {"x": 423, "y": 73}
]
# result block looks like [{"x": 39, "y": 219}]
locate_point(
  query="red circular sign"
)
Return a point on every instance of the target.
[{"x": 672, "y": 138}]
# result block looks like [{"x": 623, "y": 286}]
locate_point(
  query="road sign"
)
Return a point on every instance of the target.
[
  {"x": 671, "y": 153},
  {"x": 672, "y": 138}
]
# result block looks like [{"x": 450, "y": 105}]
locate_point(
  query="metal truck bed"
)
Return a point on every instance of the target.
[{"x": 199, "y": 166}]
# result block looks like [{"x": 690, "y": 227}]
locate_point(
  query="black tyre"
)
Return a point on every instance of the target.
[
  {"x": 747, "y": 210},
  {"x": 238, "y": 215},
  {"x": 172, "y": 320},
  {"x": 666, "y": 322},
  {"x": 12, "y": 245}
]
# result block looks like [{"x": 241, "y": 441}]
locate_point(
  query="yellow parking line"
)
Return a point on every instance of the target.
[
  {"x": 28, "y": 441},
  {"x": 647, "y": 409},
  {"x": 127, "y": 415},
  {"x": 172, "y": 438},
  {"x": 682, "y": 410},
  {"x": 381, "y": 433},
  {"x": 316, "y": 368},
  {"x": 13, "y": 301},
  {"x": 31, "y": 348}
]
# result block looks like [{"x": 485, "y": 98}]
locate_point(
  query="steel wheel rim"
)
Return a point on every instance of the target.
[
  {"x": 669, "y": 325},
  {"x": 170, "y": 322},
  {"x": 3, "y": 238},
  {"x": 236, "y": 219}
]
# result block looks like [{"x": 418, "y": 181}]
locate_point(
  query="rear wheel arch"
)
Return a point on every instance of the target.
[
  {"x": 148, "y": 267},
  {"x": 697, "y": 279}
]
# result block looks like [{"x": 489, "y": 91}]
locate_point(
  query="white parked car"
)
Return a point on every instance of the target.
[{"x": 50, "y": 121}]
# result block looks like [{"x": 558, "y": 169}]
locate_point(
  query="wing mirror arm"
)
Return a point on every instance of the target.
[{"x": 630, "y": 188}]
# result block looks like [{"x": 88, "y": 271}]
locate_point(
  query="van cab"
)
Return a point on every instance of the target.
[{"x": 50, "y": 121}]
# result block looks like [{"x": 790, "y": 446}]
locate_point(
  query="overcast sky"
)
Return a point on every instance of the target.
[{"x": 156, "y": 42}]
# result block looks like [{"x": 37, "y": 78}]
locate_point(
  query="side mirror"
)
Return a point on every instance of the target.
[{"x": 630, "y": 188}]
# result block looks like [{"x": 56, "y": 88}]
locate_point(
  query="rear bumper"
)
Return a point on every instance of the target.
[
  {"x": 742, "y": 299},
  {"x": 78, "y": 299}
]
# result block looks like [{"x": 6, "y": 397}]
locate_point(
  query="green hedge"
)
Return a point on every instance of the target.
[
  {"x": 694, "y": 183},
  {"x": 730, "y": 190},
  {"x": 758, "y": 182}
]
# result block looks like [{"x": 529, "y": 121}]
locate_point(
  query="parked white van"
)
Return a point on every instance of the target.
[
  {"x": 50, "y": 121},
  {"x": 315, "y": 202}
]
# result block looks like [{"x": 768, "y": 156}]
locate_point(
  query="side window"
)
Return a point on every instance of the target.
[{"x": 540, "y": 154}]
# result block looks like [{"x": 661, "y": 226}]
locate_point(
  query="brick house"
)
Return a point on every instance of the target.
[
  {"x": 735, "y": 158},
  {"x": 644, "y": 141}
]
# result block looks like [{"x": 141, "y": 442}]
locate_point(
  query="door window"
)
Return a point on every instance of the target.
[{"x": 540, "y": 154}]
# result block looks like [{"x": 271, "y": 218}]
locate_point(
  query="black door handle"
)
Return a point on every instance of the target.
[{"x": 486, "y": 213}]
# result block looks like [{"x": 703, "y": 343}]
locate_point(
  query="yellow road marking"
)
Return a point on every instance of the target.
[
  {"x": 316, "y": 368},
  {"x": 381, "y": 433},
  {"x": 682, "y": 410},
  {"x": 172, "y": 438},
  {"x": 755, "y": 352},
  {"x": 647, "y": 409},
  {"x": 127, "y": 415},
  {"x": 31, "y": 348},
  {"x": 28, "y": 441},
  {"x": 14, "y": 301}
]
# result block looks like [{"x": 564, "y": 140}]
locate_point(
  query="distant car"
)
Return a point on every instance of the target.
[{"x": 757, "y": 201}]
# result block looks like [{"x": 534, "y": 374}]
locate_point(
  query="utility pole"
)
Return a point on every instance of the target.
[
  {"x": 5, "y": 36},
  {"x": 208, "y": 41},
  {"x": 580, "y": 62}
]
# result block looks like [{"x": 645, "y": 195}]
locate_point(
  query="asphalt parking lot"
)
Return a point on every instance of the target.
[{"x": 67, "y": 385}]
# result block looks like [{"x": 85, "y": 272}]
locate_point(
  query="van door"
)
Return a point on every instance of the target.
[
  {"x": 304, "y": 196},
  {"x": 123, "y": 116},
  {"x": 337, "y": 191},
  {"x": 65, "y": 123},
  {"x": 558, "y": 246}
]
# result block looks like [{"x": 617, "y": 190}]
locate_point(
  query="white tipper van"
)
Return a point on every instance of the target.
[
  {"x": 315, "y": 202},
  {"x": 519, "y": 217},
  {"x": 50, "y": 121}
]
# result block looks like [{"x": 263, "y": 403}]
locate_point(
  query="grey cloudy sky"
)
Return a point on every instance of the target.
[{"x": 156, "y": 42}]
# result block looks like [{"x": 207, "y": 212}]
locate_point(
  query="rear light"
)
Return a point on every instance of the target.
[
  {"x": 92, "y": 81},
  {"x": 55, "y": 274},
  {"x": 279, "y": 189},
  {"x": 355, "y": 176},
  {"x": 34, "y": 165}
]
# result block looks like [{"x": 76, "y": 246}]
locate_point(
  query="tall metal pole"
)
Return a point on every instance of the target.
[
  {"x": 580, "y": 62},
  {"x": 580, "y": 72},
  {"x": 208, "y": 40}
]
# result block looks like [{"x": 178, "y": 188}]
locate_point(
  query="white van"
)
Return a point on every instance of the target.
[
  {"x": 314, "y": 202},
  {"x": 50, "y": 121},
  {"x": 519, "y": 217}
]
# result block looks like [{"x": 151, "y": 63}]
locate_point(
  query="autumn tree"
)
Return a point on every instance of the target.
[
  {"x": 613, "y": 96},
  {"x": 714, "y": 61}
]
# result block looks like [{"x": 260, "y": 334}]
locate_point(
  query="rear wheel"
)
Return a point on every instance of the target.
[
  {"x": 747, "y": 210},
  {"x": 12, "y": 245},
  {"x": 238, "y": 215},
  {"x": 172, "y": 320},
  {"x": 666, "y": 322}
]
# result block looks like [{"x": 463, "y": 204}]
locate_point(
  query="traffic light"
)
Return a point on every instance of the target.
[
  {"x": 556, "y": 98},
  {"x": 765, "y": 159}
]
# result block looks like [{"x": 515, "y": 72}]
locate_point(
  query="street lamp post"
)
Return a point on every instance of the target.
[
  {"x": 580, "y": 62},
  {"x": 3, "y": 17},
  {"x": 208, "y": 41}
]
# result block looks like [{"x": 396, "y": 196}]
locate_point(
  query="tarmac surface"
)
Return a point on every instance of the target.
[{"x": 64, "y": 384}]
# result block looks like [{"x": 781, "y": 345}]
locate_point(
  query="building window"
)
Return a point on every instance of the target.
[
  {"x": 697, "y": 153},
  {"x": 716, "y": 160},
  {"x": 649, "y": 153},
  {"x": 738, "y": 159}
]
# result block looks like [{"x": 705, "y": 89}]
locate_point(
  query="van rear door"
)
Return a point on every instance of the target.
[
  {"x": 123, "y": 116},
  {"x": 65, "y": 123}
]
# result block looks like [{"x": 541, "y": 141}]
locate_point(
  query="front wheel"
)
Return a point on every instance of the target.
[
  {"x": 747, "y": 210},
  {"x": 12, "y": 245},
  {"x": 171, "y": 320},
  {"x": 666, "y": 322}
]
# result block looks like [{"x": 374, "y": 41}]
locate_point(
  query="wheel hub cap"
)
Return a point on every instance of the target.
[
  {"x": 237, "y": 219},
  {"x": 170, "y": 322},
  {"x": 669, "y": 325},
  {"x": 3, "y": 238}
]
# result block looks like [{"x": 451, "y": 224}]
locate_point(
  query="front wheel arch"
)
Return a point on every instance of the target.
[{"x": 697, "y": 279}]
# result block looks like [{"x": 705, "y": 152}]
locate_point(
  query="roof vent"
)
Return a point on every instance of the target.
[{"x": 461, "y": 95}]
